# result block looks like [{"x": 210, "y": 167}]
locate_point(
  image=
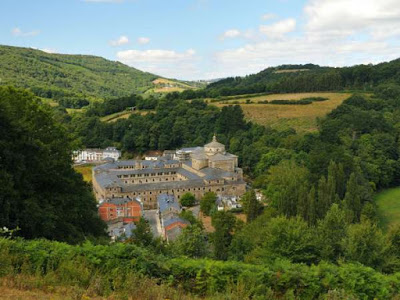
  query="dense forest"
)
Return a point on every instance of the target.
[
  {"x": 303, "y": 78},
  {"x": 70, "y": 79},
  {"x": 40, "y": 192}
]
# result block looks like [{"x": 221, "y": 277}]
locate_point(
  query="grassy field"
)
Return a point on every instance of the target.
[
  {"x": 388, "y": 202},
  {"x": 303, "y": 118},
  {"x": 86, "y": 171},
  {"x": 123, "y": 115},
  {"x": 163, "y": 85}
]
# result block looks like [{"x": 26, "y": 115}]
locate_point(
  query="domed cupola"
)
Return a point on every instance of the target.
[{"x": 214, "y": 147}]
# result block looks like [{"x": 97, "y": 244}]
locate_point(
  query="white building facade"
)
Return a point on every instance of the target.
[{"x": 96, "y": 155}]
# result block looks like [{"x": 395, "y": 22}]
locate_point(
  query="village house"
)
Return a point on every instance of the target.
[
  {"x": 168, "y": 211},
  {"x": 196, "y": 170},
  {"x": 125, "y": 209},
  {"x": 96, "y": 155},
  {"x": 120, "y": 230}
]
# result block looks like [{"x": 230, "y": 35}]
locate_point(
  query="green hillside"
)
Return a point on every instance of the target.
[
  {"x": 303, "y": 79},
  {"x": 59, "y": 75}
]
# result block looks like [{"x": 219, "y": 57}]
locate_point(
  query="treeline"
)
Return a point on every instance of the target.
[
  {"x": 123, "y": 270},
  {"x": 273, "y": 80}
]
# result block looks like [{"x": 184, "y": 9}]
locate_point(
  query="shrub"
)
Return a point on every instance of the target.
[{"x": 188, "y": 199}]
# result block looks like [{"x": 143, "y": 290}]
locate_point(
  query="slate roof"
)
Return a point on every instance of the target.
[
  {"x": 177, "y": 219},
  {"x": 110, "y": 179},
  {"x": 151, "y": 186},
  {"x": 120, "y": 201},
  {"x": 165, "y": 202}
]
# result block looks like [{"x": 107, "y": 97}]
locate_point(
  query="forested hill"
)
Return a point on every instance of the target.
[
  {"x": 304, "y": 78},
  {"x": 58, "y": 75}
]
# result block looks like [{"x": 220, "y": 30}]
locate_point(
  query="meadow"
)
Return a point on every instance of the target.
[
  {"x": 86, "y": 171},
  {"x": 123, "y": 115},
  {"x": 303, "y": 118},
  {"x": 160, "y": 86},
  {"x": 388, "y": 202}
]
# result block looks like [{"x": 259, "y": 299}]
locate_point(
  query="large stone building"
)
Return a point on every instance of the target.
[{"x": 196, "y": 170}]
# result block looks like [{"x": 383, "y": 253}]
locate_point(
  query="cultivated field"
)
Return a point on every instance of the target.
[
  {"x": 303, "y": 118},
  {"x": 388, "y": 202}
]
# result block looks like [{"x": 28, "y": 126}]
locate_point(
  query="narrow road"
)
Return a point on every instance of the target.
[{"x": 154, "y": 222}]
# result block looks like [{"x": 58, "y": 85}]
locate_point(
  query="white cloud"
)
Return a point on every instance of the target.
[
  {"x": 143, "y": 40},
  {"x": 49, "y": 50},
  {"x": 231, "y": 33},
  {"x": 278, "y": 29},
  {"x": 378, "y": 18},
  {"x": 153, "y": 56},
  {"x": 168, "y": 63},
  {"x": 122, "y": 40},
  {"x": 18, "y": 32},
  {"x": 268, "y": 16},
  {"x": 334, "y": 33}
]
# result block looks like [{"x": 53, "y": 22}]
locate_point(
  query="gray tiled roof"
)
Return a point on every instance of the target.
[
  {"x": 165, "y": 202},
  {"x": 142, "y": 171},
  {"x": 168, "y": 222},
  {"x": 119, "y": 201},
  {"x": 188, "y": 174},
  {"x": 166, "y": 185}
]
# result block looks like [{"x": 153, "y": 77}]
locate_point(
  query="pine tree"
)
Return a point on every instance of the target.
[
  {"x": 208, "y": 202},
  {"x": 142, "y": 234},
  {"x": 352, "y": 200},
  {"x": 312, "y": 207},
  {"x": 331, "y": 231},
  {"x": 251, "y": 206},
  {"x": 223, "y": 222}
]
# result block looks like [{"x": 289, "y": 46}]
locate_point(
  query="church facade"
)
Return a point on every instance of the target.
[{"x": 196, "y": 170}]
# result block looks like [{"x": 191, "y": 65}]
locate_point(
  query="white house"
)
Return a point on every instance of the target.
[{"x": 96, "y": 155}]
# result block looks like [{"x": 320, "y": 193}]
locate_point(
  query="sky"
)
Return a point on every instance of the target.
[{"x": 208, "y": 39}]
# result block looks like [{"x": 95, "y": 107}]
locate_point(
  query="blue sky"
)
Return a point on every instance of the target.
[{"x": 204, "y": 39}]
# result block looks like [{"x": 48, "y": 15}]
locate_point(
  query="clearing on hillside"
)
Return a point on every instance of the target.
[
  {"x": 163, "y": 85},
  {"x": 303, "y": 118},
  {"x": 86, "y": 171},
  {"x": 388, "y": 202},
  {"x": 123, "y": 115}
]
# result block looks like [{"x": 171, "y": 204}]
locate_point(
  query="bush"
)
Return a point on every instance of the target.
[
  {"x": 188, "y": 199},
  {"x": 207, "y": 203}
]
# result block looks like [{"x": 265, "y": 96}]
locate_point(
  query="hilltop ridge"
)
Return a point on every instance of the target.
[{"x": 59, "y": 76}]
